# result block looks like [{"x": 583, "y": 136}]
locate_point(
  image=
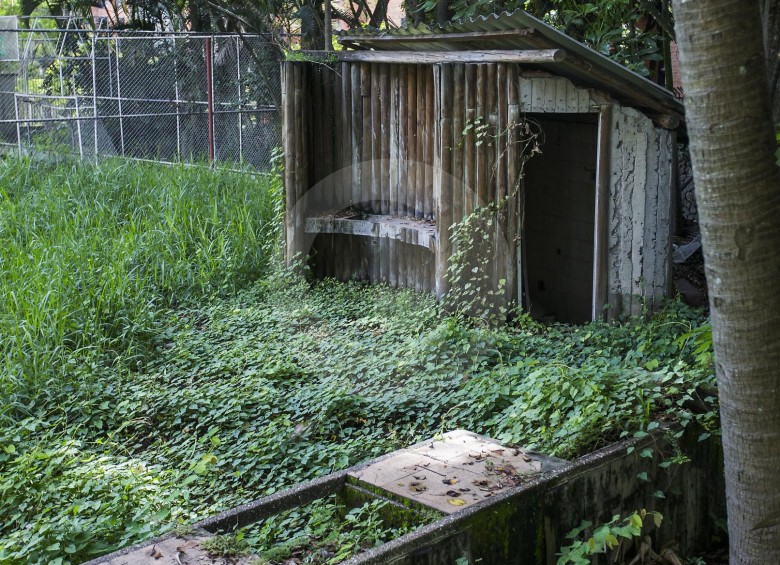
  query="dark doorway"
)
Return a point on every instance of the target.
[{"x": 560, "y": 197}]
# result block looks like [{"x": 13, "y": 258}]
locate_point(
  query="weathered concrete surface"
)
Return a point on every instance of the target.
[
  {"x": 528, "y": 524},
  {"x": 451, "y": 472},
  {"x": 415, "y": 231},
  {"x": 521, "y": 524},
  {"x": 640, "y": 203},
  {"x": 185, "y": 550}
]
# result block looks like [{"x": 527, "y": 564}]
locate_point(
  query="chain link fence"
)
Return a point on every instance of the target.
[{"x": 144, "y": 95}]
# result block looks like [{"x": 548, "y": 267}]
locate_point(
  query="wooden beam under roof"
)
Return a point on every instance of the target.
[
  {"x": 538, "y": 56},
  {"x": 434, "y": 37}
]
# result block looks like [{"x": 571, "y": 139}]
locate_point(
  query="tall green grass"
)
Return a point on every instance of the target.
[{"x": 90, "y": 254}]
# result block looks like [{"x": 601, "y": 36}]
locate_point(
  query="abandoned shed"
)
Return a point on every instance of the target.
[{"x": 407, "y": 132}]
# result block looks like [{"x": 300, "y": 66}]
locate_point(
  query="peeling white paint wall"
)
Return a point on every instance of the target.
[{"x": 639, "y": 216}]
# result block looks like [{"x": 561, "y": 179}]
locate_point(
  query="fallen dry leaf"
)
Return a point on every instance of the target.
[{"x": 457, "y": 501}]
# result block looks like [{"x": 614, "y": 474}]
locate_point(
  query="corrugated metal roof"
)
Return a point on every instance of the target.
[{"x": 583, "y": 65}]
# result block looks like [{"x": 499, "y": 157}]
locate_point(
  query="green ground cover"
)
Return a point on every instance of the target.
[{"x": 174, "y": 373}]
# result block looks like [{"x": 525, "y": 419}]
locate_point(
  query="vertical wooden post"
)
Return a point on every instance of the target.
[
  {"x": 376, "y": 139},
  {"x": 411, "y": 138},
  {"x": 334, "y": 133},
  {"x": 503, "y": 236},
  {"x": 422, "y": 130},
  {"x": 600, "y": 235},
  {"x": 458, "y": 114},
  {"x": 444, "y": 194},
  {"x": 364, "y": 197},
  {"x": 431, "y": 127},
  {"x": 469, "y": 163},
  {"x": 392, "y": 155},
  {"x": 356, "y": 103},
  {"x": 392, "y": 164},
  {"x": 386, "y": 105},
  {"x": 344, "y": 188},
  {"x": 288, "y": 148},
  {"x": 515, "y": 233},
  {"x": 294, "y": 142},
  {"x": 482, "y": 176},
  {"x": 302, "y": 131}
]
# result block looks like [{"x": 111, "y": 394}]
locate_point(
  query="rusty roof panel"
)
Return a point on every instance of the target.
[{"x": 584, "y": 66}]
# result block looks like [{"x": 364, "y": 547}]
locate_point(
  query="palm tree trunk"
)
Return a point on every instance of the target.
[{"x": 738, "y": 194}]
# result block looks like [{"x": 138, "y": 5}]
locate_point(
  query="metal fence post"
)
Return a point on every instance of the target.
[
  {"x": 240, "y": 102},
  {"x": 176, "y": 100},
  {"x": 18, "y": 124},
  {"x": 119, "y": 100},
  {"x": 210, "y": 98},
  {"x": 94, "y": 96},
  {"x": 78, "y": 125}
]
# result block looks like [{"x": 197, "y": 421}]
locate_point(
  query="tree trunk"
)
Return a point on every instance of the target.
[
  {"x": 442, "y": 12},
  {"x": 738, "y": 194}
]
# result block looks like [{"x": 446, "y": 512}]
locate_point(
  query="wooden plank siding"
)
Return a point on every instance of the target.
[{"x": 393, "y": 140}]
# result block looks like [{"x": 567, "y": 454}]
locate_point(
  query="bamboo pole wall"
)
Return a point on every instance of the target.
[
  {"x": 389, "y": 140},
  {"x": 370, "y": 149}
]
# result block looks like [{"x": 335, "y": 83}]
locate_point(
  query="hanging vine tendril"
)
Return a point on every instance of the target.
[{"x": 473, "y": 290}]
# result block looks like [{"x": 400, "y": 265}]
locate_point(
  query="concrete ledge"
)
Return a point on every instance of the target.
[{"x": 413, "y": 231}]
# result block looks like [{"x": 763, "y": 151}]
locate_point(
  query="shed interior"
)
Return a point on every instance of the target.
[{"x": 559, "y": 219}]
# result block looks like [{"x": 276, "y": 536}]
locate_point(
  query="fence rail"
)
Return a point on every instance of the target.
[{"x": 152, "y": 96}]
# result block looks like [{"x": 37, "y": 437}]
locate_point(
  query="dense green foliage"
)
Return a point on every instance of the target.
[
  {"x": 143, "y": 388},
  {"x": 629, "y": 32},
  {"x": 283, "y": 383},
  {"x": 89, "y": 255}
]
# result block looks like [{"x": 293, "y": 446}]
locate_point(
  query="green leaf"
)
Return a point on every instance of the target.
[
  {"x": 162, "y": 514},
  {"x": 635, "y": 520}
]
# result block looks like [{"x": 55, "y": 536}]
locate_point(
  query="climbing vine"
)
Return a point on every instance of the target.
[{"x": 474, "y": 289}]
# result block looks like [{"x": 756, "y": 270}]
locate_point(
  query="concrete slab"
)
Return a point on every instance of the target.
[
  {"x": 184, "y": 550},
  {"x": 451, "y": 471}
]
